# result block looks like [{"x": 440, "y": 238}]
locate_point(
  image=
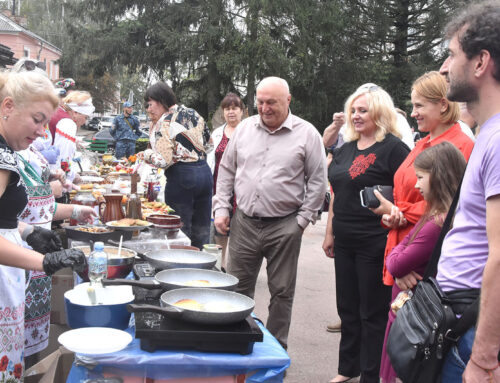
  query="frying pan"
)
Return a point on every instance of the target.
[
  {"x": 177, "y": 278},
  {"x": 177, "y": 259},
  {"x": 232, "y": 307}
]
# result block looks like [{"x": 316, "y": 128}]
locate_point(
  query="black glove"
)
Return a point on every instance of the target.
[
  {"x": 57, "y": 260},
  {"x": 43, "y": 240}
]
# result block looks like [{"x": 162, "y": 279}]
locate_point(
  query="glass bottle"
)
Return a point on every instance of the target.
[
  {"x": 152, "y": 186},
  {"x": 134, "y": 202}
]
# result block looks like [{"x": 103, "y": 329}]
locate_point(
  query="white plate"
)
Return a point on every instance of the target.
[
  {"x": 95, "y": 340},
  {"x": 128, "y": 228}
]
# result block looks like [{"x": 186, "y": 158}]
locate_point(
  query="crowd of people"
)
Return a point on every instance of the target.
[
  {"x": 262, "y": 179},
  {"x": 425, "y": 182}
]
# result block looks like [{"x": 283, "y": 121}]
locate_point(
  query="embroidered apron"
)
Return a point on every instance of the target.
[
  {"x": 39, "y": 211},
  {"x": 12, "y": 284}
]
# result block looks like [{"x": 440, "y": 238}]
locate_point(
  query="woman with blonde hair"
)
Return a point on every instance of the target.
[
  {"x": 438, "y": 117},
  {"x": 76, "y": 108},
  {"x": 354, "y": 236},
  {"x": 27, "y": 101}
]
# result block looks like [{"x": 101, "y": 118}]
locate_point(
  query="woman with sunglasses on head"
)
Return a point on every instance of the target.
[
  {"x": 178, "y": 137},
  {"x": 27, "y": 101},
  {"x": 42, "y": 186},
  {"x": 371, "y": 155}
]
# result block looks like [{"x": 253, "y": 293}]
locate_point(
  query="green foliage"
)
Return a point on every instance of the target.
[
  {"x": 141, "y": 144},
  {"x": 325, "y": 49}
]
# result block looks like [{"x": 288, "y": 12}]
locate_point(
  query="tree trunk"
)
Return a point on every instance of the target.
[
  {"x": 214, "y": 78},
  {"x": 252, "y": 25},
  {"x": 401, "y": 74}
]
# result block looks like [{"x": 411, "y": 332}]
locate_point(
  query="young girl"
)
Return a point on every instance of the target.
[{"x": 439, "y": 170}]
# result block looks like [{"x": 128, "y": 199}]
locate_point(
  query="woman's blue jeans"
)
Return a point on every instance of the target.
[{"x": 189, "y": 192}]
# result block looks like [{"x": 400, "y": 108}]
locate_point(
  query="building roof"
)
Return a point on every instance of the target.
[
  {"x": 9, "y": 26},
  {"x": 6, "y": 56}
]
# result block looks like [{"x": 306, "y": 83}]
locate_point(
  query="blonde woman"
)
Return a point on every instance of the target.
[
  {"x": 354, "y": 237},
  {"x": 76, "y": 108},
  {"x": 27, "y": 101},
  {"x": 438, "y": 117}
]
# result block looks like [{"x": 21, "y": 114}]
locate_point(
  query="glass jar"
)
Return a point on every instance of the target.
[
  {"x": 152, "y": 186},
  {"x": 86, "y": 198},
  {"x": 216, "y": 250}
]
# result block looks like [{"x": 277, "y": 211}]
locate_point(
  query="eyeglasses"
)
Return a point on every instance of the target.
[{"x": 32, "y": 65}]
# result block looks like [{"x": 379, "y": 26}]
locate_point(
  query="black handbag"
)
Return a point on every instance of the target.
[
  {"x": 368, "y": 198},
  {"x": 426, "y": 326},
  {"x": 416, "y": 343}
]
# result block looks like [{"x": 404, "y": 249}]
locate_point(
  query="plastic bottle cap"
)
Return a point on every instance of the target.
[{"x": 99, "y": 246}]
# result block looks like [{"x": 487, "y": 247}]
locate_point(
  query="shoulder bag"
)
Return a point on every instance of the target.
[{"x": 426, "y": 326}]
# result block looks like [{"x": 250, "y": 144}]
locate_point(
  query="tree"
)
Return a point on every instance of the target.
[{"x": 205, "y": 48}]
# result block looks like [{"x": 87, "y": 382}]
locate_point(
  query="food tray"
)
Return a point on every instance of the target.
[
  {"x": 127, "y": 228},
  {"x": 77, "y": 235}
]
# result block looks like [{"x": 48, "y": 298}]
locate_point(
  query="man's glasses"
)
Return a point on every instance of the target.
[{"x": 32, "y": 65}]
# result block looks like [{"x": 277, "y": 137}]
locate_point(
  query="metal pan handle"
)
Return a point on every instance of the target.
[
  {"x": 171, "y": 311},
  {"x": 146, "y": 284}
]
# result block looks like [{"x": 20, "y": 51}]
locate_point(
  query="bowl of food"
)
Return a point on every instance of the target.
[
  {"x": 119, "y": 265},
  {"x": 165, "y": 220}
]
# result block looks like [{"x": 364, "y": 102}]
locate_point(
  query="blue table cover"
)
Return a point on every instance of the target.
[{"x": 268, "y": 361}]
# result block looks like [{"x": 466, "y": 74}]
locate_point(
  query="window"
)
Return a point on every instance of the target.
[{"x": 26, "y": 52}]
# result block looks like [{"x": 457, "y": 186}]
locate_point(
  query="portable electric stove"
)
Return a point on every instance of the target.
[{"x": 157, "y": 332}]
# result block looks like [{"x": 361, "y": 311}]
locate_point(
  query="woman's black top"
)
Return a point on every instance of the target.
[
  {"x": 351, "y": 171},
  {"x": 15, "y": 198}
]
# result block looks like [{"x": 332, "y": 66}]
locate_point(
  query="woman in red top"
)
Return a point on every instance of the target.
[{"x": 438, "y": 117}]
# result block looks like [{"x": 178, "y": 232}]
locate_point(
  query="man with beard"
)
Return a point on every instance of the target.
[
  {"x": 125, "y": 131},
  {"x": 470, "y": 256}
]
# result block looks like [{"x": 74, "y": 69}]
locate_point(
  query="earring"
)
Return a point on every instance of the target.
[{"x": 5, "y": 117}]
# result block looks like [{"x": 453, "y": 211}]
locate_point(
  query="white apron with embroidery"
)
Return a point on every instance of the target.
[
  {"x": 39, "y": 211},
  {"x": 12, "y": 284}
]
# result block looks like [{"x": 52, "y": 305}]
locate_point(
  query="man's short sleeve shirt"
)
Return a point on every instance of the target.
[{"x": 465, "y": 248}]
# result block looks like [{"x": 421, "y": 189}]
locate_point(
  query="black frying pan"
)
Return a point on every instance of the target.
[
  {"x": 180, "y": 278},
  {"x": 217, "y": 306}
]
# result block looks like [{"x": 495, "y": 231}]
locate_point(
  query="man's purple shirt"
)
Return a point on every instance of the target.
[{"x": 465, "y": 248}]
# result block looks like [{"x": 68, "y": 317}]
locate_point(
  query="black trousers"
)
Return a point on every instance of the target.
[
  {"x": 362, "y": 304},
  {"x": 189, "y": 192}
]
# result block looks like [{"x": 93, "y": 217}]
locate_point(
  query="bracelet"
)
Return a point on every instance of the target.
[
  {"x": 75, "y": 214},
  {"x": 27, "y": 231},
  {"x": 488, "y": 370}
]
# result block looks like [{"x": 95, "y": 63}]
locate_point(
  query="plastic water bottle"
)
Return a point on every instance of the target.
[{"x": 98, "y": 264}]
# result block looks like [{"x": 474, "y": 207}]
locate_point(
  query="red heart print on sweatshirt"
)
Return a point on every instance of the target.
[{"x": 361, "y": 163}]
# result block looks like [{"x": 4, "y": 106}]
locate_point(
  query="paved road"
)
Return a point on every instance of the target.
[{"x": 313, "y": 350}]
